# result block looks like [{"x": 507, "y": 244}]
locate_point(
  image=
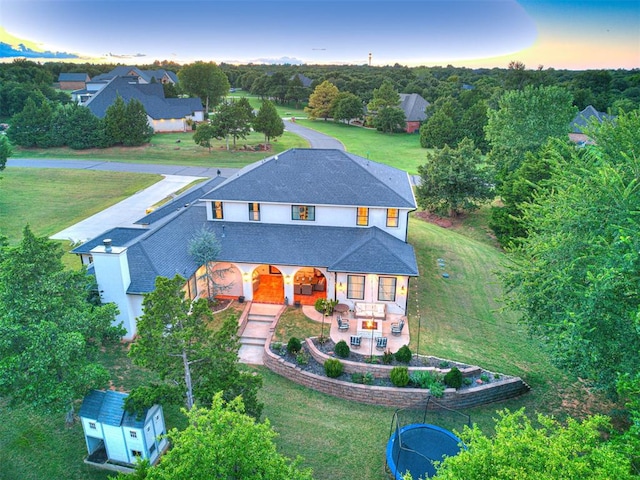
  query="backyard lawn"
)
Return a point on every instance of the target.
[{"x": 458, "y": 318}]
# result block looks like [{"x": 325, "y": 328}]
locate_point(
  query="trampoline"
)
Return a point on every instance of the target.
[{"x": 414, "y": 447}]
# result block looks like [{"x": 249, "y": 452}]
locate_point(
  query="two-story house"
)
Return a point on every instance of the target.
[{"x": 302, "y": 224}]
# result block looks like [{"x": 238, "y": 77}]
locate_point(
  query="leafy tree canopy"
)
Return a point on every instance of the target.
[
  {"x": 223, "y": 442},
  {"x": 575, "y": 277},
  {"x": 453, "y": 180},
  {"x": 268, "y": 121},
  {"x": 518, "y": 449},
  {"x": 205, "y": 80},
  {"x": 176, "y": 340},
  {"x": 321, "y": 100},
  {"x": 50, "y": 332}
]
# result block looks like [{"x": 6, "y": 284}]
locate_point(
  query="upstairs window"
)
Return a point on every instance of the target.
[
  {"x": 218, "y": 214},
  {"x": 387, "y": 289},
  {"x": 392, "y": 217},
  {"x": 362, "y": 218},
  {"x": 254, "y": 211},
  {"x": 355, "y": 287},
  {"x": 303, "y": 212}
]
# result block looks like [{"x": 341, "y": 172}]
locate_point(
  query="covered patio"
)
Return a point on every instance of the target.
[{"x": 358, "y": 328}]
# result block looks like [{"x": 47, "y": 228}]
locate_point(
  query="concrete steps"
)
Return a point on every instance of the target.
[{"x": 256, "y": 331}]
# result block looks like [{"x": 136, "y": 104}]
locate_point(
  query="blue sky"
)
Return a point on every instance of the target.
[{"x": 558, "y": 34}]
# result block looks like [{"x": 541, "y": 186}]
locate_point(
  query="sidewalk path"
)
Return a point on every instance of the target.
[
  {"x": 124, "y": 213},
  {"x": 316, "y": 139}
]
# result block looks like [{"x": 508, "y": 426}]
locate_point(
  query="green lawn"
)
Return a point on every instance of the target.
[
  {"x": 400, "y": 150},
  {"x": 460, "y": 319},
  {"x": 174, "y": 149},
  {"x": 50, "y": 200}
]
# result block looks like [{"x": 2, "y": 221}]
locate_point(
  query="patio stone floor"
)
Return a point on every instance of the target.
[{"x": 394, "y": 342}]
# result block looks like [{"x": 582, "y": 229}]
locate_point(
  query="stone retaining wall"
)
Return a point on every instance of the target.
[
  {"x": 377, "y": 370},
  {"x": 507, "y": 387}
]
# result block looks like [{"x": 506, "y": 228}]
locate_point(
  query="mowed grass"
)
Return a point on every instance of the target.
[
  {"x": 175, "y": 149},
  {"x": 50, "y": 200}
]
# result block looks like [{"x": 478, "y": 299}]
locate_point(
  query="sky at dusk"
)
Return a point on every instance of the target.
[{"x": 475, "y": 33}]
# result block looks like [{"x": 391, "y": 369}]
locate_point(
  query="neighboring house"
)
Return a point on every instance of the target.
[
  {"x": 335, "y": 219},
  {"x": 306, "y": 81},
  {"x": 163, "y": 114},
  {"x": 414, "y": 107},
  {"x": 73, "y": 81},
  {"x": 115, "y": 436},
  {"x": 581, "y": 120},
  {"x": 143, "y": 76}
]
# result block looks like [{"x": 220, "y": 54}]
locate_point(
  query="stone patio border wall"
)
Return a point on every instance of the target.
[{"x": 495, "y": 391}]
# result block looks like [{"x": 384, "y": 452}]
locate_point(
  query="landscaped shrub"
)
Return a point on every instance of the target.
[
  {"x": 437, "y": 390},
  {"x": 302, "y": 358},
  {"x": 399, "y": 376},
  {"x": 403, "y": 355},
  {"x": 453, "y": 378},
  {"x": 364, "y": 378},
  {"x": 425, "y": 378},
  {"x": 387, "y": 357},
  {"x": 485, "y": 378},
  {"x": 294, "y": 345},
  {"x": 342, "y": 349},
  {"x": 333, "y": 367}
]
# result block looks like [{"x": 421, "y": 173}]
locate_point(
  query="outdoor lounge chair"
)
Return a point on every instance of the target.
[
  {"x": 342, "y": 324},
  {"x": 381, "y": 343},
  {"x": 396, "y": 328},
  {"x": 355, "y": 341}
]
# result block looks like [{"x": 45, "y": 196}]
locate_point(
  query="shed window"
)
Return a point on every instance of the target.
[
  {"x": 92, "y": 425},
  {"x": 133, "y": 434},
  {"x": 136, "y": 453}
]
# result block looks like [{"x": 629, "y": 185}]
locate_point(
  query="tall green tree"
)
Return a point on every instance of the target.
[
  {"x": 31, "y": 127},
  {"x": 203, "y": 135},
  {"x": 441, "y": 128},
  {"x": 175, "y": 339},
  {"x": 5, "y": 151},
  {"x": 139, "y": 131},
  {"x": 346, "y": 107},
  {"x": 50, "y": 332},
  {"x": 268, "y": 122},
  {"x": 205, "y": 80},
  {"x": 233, "y": 119},
  {"x": 384, "y": 97},
  {"x": 116, "y": 122},
  {"x": 522, "y": 124},
  {"x": 518, "y": 449},
  {"x": 82, "y": 129},
  {"x": 390, "y": 119},
  {"x": 223, "y": 442},
  {"x": 574, "y": 277},
  {"x": 453, "y": 180},
  {"x": 204, "y": 247},
  {"x": 321, "y": 100}
]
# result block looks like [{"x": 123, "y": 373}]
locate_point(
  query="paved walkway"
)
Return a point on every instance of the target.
[
  {"x": 124, "y": 213},
  {"x": 261, "y": 319},
  {"x": 315, "y": 139}
]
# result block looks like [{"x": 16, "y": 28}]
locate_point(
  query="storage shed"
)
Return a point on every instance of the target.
[{"x": 116, "y": 436}]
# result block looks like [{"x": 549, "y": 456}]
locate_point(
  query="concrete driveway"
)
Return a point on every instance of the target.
[{"x": 124, "y": 213}]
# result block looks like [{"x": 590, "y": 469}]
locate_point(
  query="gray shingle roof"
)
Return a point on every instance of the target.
[
  {"x": 120, "y": 236},
  {"x": 586, "y": 116},
  {"x": 187, "y": 198},
  {"x": 150, "y": 95},
  {"x": 108, "y": 407},
  {"x": 163, "y": 251},
  {"x": 73, "y": 77},
  {"x": 318, "y": 177},
  {"x": 413, "y": 106}
]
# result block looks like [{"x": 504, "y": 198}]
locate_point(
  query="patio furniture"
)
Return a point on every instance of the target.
[
  {"x": 355, "y": 341},
  {"x": 306, "y": 289},
  {"x": 381, "y": 343},
  {"x": 370, "y": 310},
  {"x": 342, "y": 324},
  {"x": 396, "y": 328}
]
